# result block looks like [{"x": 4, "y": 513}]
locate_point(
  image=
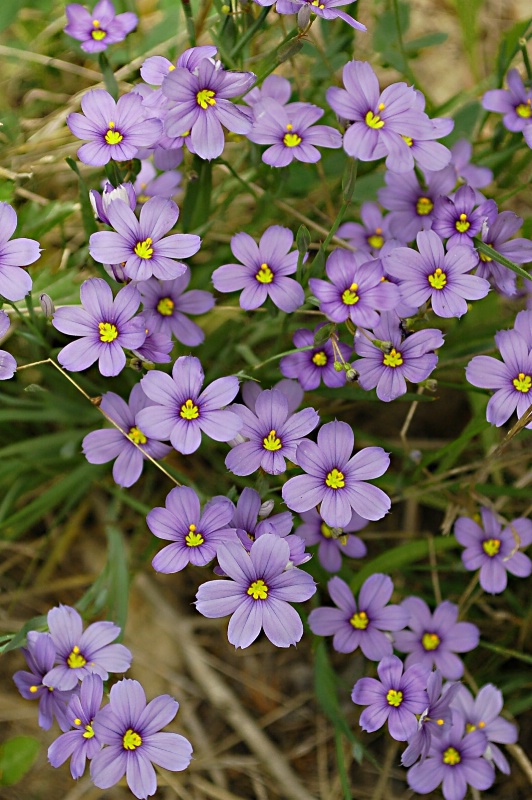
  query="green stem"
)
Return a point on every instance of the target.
[
  {"x": 493, "y": 255},
  {"x": 241, "y": 180},
  {"x": 348, "y": 187},
  {"x": 29, "y": 324},
  {"x": 250, "y": 31},
  {"x": 108, "y": 76},
  {"x": 286, "y": 353},
  {"x": 189, "y": 22},
  {"x": 406, "y": 66},
  {"x": 342, "y": 772},
  {"x": 526, "y": 60}
]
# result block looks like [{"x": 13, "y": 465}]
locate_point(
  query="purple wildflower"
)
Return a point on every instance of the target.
[
  {"x": 8, "y": 364},
  {"x": 274, "y": 87},
  {"x": 101, "y": 202},
  {"x": 360, "y": 626},
  {"x": 457, "y": 220},
  {"x": 511, "y": 377},
  {"x": 435, "y": 720},
  {"x": 263, "y": 270},
  {"x": 515, "y": 102},
  {"x": 482, "y": 713},
  {"x": 200, "y": 105},
  {"x": 412, "y": 359},
  {"x": 495, "y": 550},
  {"x": 183, "y": 411},
  {"x": 273, "y": 435},
  {"x": 411, "y": 203},
  {"x": 195, "y": 536},
  {"x": 149, "y": 184},
  {"x": 109, "y": 444},
  {"x": 461, "y": 170},
  {"x": 290, "y": 133},
  {"x": 155, "y": 69},
  {"x": 166, "y": 304},
  {"x": 312, "y": 366},
  {"x": 434, "y": 639},
  {"x": 132, "y": 730},
  {"x": 113, "y": 130},
  {"x": 81, "y": 743},
  {"x": 333, "y": 543},
  {"x": 15, "y": 282},
  {"x": 40, "y": 656},
  {"x": 97, "y": 30},
  {"x": 258, "y": 594},
  {"x": 497, "y": 232},
  {"x": 326, "y": 9},
  {"x": 456, "y": 761},
  {"x": 397, "y": 697},
  {"x": 156, "y": 347},
  {"x": 250, "y": 523},
  {"x": 335, "y": 480},
  {"x": 370, "y": 236},
  {"x": 437, "y": 276},
  {"x": 81, "y": 653},
  {"x": 139, "y": 244},
  {"x": 291, "y": 389},
  {"x": 105, "y": 326},
  {"x": 356, "y": 290}
]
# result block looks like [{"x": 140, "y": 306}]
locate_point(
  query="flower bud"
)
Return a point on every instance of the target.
[
  {"x": 303, "y": 17},
  {"x": 351, "y": 375},
  {"x": 337, "y": 366},
  {"x": 266, "y": 508},
  {"x": 47, "y": 305}
]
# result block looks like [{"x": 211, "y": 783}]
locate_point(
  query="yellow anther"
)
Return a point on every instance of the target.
[
  {"x": 393, "y": 358},
  {"x": 320, "y": 359},
  {"x": 524, "y": 110},
  {"x": 394, "y": 698},
  {"x": 89, "y": 733},
  {"x": 430, "y": 641},
  {"x": 335, "y": 479},
  {"x": 189, "y": 410},
  {"x": 144, "y": 249},
  {"x": 131, "y": 740},
  {"x": 205, "y": 98},
  {"x": 193, "y": 538},
  {"x": 165, "y": 306},
  {"x": 264, "y": 275},
  {"x": 451, "y": 757},
  {"x": 373, "y": 120},
  {"x": 108, "y": 331},
  {"x": 136, "y": 435},
  {"x": 34, "y": 689},
  {"x": 438, "y": 279},
  {"x": 112, "y": 136},
  {"x": 376, "y": 240},
  {"x": 350, "y": 296},
  {"x": 461, "y": 224},
  {"x": 424, "y": 206},
  {"x": 171, "y": 68},
  {"x": 291, "y": 139},
  {"x": 491, "y": 547},
  {"x": 360, "y": 621},
  {"x": 258, "y": 590},
  {"x": 523, "y": 382},
  {"x": 408, "y": 140},
  {"x": 272, "y": 441},
  {"x": 75, "y": 659}
]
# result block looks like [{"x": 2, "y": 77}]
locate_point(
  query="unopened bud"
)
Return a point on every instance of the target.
[
  {"x": 266, "y": 508},
  {"x": 386, "y": 347},
  {"x": 351, "y": 375},
  {"x": 416, "y": 456},
  {"x": 303, "y": 17},
  {"x": 136, "y": 364},
  {"x": 337, "y": 366},
  {"x": 47, "y": 305},
  {"x": 226, "y": 9},
  {"x": 302, "y": 238},
  {"x": 237, "y": 440},
  {"x": 431, "y": 384}
]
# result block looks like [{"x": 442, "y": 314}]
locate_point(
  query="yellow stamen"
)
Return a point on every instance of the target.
[
  {"x": 89, "y": 733},
  {"x": 76, "y": 659},
  {"x": 335, "y": 479},
  {"x": 108, "y": 331},
  {"x": 34, "y": 689},
  {"x": 440, "y": 722},
  {"x": 264, "y": 275},
  {"x": 408, "y": 140},
  {"x": 193, "y": 537},
  {"x": 131, "y": 740},
  {"x": 320, "y": 359},
  {"x": 373, "y": 120},
  {"x": 171, "y": 68},
  {"x": 144, "y": 249},
  {"x": 291, "y": 139},
  {"x": 394, "y": 698},
  {"x": 258, "y": 590},
  {"x": 289, "y": 127},
  {"x": 524, "y": 110},
  {"x": 272, "y": 441},
  {"x": 451, "y": 757},
  {"x": 430, "y": 641},
  {"x": 360, "y": 621},
  {"x": 393, "y": 358},
  {"x": 189, "y": 410},
  {"x": 326, "y": 531},
  {"x": 349, "y": 296},
  {"x": 469, "y": 728},
  {"x": 491, "y": 547},
  {"x": 523, "y": 382},
  {"x": 205, "y": 98},
  {"x": 462, "y": 225},
  {"x": 165, "y": 306},
  {"x": 98, "y": 35},
  {"x": 376, "y": 240},
  {"x": 438, "y": 279},
  {"x": 424, "y": 206},
  {"x": 136, "y": 435},
  {"x": 113, "y": 136}
]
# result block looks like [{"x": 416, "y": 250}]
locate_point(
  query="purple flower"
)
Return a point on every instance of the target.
[
  {"x": 81, "y": 743},
  {"x": 356, "y": 290},
  {"x": 290, "y": 133},
  {"x": 258, "y": 594},
  {"x": 97, "y": 30},
  {"x": 105, "y": 326},
  {"x": 113, "y": 130},
  {"x": 461, "y": 170},
  {"x": 333, "y": 543},
  {"x": 313, "y": 366},
  {"x": 249, "y": 521},
  {"x": 131, "y": 729},
  {"x": 165, "y": 305},
  {"x": 434, "y": 639},
  {"x": 457, "y": 220},
  {"x": 263, "y": 270},
  {"x": 412, "y": 204},
  {"x": 149, "y": 184},
  {"x": 183, "y": 411},
  {"x": 8, "y": 364},
  {"x": 81, "y": 653},
  {"x": 274, "y": 86},
  {"x": 512, "y": 378},
  {"x": 139, "y": 244},
  {"x": 291, "y": 389},
  {"x": 273, "y": 435},
  {"x": 101, "y": 202},
  {"x": 15, "y": 282},
  {"x": 337, "y": 481},
  {"x": 497, "y": 232},
  {"x": 495, "y": 550},
  {"x": 437, "y": 276},
  {"x": 109, "y": 444},
  {"x": 514, "y": 102},
  {"x": 195, "y": 536},
  {"x": 434, "y": 721},
  {"x": 156, "y": 347},
  {"x": 456, "y": 761},
  {"x": 200, "y": 105},
  {"x": 155, "y": 69},
  {"x": 360, "y": 626},
  {"x": 326, "y": 9},
  {"x": 40, "y": 656},
  {"x": 482, "y": 714},
  {"x": 412, "y": 359},
  {"x": 372, "y": 235},
  {"x": 396, "y": 698}
]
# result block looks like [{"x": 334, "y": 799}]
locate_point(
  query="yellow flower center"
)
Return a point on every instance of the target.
[
  {"x": 349, "y": 296},
  {"x": 108, "y": 331},
  {"x": 523, "y": 382},
  {"x": 326, "y": 531},
  {"x": 393, "y": 358},
  {"x": 335, "y": 479},
  {"x": 373, "y": 120},
  {"x": 189, "y": 410},
  {"x": 491, "y": 547},
  {"x": 438, "y": 279},
  {"x": 461, "y": 224},
  {"x": 258, "y": 590},
  {"x": 451, "y": 757},
  {"x": 394, "y": 698},
  {"x": 291, "y": 139},
  {"x": 360, "y": 621},
  {"x": 171, "y": 68},
  {"x": 193, "y": 538},
  {"x": 408, "y": 140},
  {"x": 272, "y": 441},
  {"x": 131, "y": 740},
  {"x": 136, "y": 435},
  {"x": 97, "y": 34},
  {"x": 523, "y": 110},
  {"x": 89, "y": 733},
  {"x": 424, "y": 206},
  {"x": 144, "y": 249},
  {"x": 317, "y": 4},
  {"x": 165, "y": 306},
  {"x": 264, "y": 275},
  {"x": 376, "y": 239},
  {"x": 205, "y": 98},
  {"x": 34, "y": 689},
  {"x": 75, "y": 659},
  {"x": 112, "y": 136},
  {"x": 320, "y": 359},
  {"x": 430, "y": 641}
]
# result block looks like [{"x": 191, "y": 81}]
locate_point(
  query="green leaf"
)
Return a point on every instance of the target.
[
  {"x": 118, "y": 578},
  {"x": 19, "y": 639},
  {"x": 325, "y": 682},
  {"x": 17, "y": 757}
]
